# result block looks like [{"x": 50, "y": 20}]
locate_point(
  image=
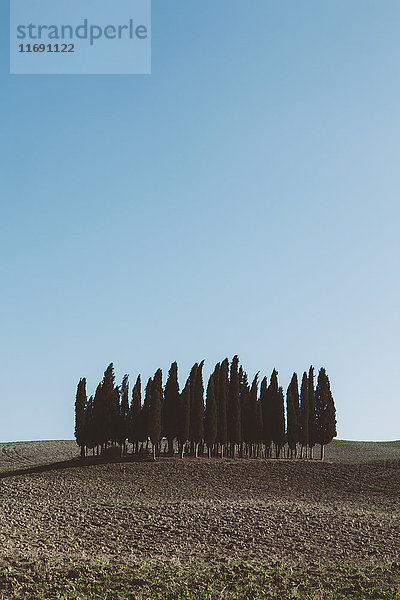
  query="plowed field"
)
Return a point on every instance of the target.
[{"x": 202, "y": 529}]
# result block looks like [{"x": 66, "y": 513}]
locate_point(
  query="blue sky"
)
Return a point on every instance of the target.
[{"x": 244, "y": 198}]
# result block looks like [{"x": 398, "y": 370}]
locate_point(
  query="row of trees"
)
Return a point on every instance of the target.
[{"x": 236, "y": 418}]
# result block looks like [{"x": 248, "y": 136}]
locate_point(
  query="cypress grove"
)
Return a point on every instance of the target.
[{"x": 233, "y": 418}]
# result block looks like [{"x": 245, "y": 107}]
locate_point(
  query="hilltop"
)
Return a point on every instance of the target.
[{"x": 15, "y": 455}]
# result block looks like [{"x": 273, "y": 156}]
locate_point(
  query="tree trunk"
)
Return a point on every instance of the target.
[
  {"x": 154, "y": 451},
  {"x": 322, "y": 451}
]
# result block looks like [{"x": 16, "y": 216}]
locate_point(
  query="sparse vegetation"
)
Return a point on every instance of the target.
[{"x": 212, "y": 529}]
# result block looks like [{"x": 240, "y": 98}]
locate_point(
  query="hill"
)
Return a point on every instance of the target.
[
  {"x": 274, "y": 530},
  {"x": 15, "y": 455}
]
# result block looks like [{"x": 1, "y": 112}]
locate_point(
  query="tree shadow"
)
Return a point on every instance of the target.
[{"x": 74, "y": 463}]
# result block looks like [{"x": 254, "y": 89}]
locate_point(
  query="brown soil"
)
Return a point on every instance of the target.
[{"x": 208, "y": 511}]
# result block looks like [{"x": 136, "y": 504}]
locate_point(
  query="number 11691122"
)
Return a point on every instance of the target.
[{"x": 46, "y": 48}]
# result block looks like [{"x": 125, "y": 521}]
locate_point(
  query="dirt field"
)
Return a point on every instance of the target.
[
  {"x": 200, "y": 529},
  {"x": 15, "y": 455}
]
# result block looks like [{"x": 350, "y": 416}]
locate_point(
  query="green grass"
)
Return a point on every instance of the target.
[
  {"x": 361, "y": 452},
  {"x": 26, "y": 579}
]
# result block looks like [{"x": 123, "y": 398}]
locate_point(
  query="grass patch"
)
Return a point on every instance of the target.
[
  {"x": 362, "y": 452},
  {"x": 30, "y": 579}
]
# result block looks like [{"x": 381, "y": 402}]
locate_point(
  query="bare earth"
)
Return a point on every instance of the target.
[{"x": 200, "y": 511}]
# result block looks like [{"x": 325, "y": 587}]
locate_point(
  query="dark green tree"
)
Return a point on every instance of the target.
[
  {"x": 271, "y": 412},
  {"x": 210, "y": 417},
  {"x": 90, "y": 434},
  {"x": 184, "y": 418},
  {"x": 135, "y": 415},
  {"x": 217, "y": 369},
  {"x": 234, "y": 411},
  {"x": 266, "y": 409},
  {"x": 115, "y": 411},
  {"x": 171, "y": 407},
  {"x": 222, "y": 425},
  {"x": 155, "y": 411},
  {"x": 325, "y": 411},
  {"x": 245, "y": 417},
  {"x": 292, "y": 411},
  {"x": 312, "y": 425},
  {"x": 80, "y": 408},
  {"x": 124, "y": 413},
  {"x": 303, "y": 416},
  {"x": 111, "y": 404},
  {"x": 197, "y": 410},
  {"x": 99, "y": 416},
  {"x": 279, "y": 437},
  {"x": 254, "y": 419},
  {"x": 145, "y": 415},
  {"x": 192, "y": 390},
  {"x": 260, "y": 430}
]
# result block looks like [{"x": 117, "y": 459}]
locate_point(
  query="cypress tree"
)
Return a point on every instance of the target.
[
  {"x": 171, "y": 407},
  {"x": 254, "y": 425},
  {"x": 115, "y": 423},
  {"x": 260, "y": 426},
  {"x": 312, "y": 432},
  {"x": 270, "y": 412},
  {"x": 135, "y": 415},
  {"x": 155, "y": 411},
  {"x": 266, "y": 411},
  {"x": 99, "y": 418},
  {"x": 111, "y": 406},
  {"x": 184, "y": 417},
  {"x": 325, "y": 411},
  {"x": 80, "y": 407},
  {"x": 124, "y": 413},
  {"x": 192, "y": 388},
  {"x": 279, "y": 437},
  {"x": 292, "y": 406},
  {"x": 222, "y": 425},
  {"x": 217, "y": 369},
  {"x": 234, "y": 425},
  {"x": 244, "y": 398},
  {"x": 145, "y": 414},
  {"x": 210, "y": 418},
  {"x": 89, "y": 436},
  {"x": 197, "y": 409},
  {"x": 303, "y": 420}
]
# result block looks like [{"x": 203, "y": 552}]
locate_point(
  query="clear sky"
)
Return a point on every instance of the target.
[{"x": 243, "y": 199}]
